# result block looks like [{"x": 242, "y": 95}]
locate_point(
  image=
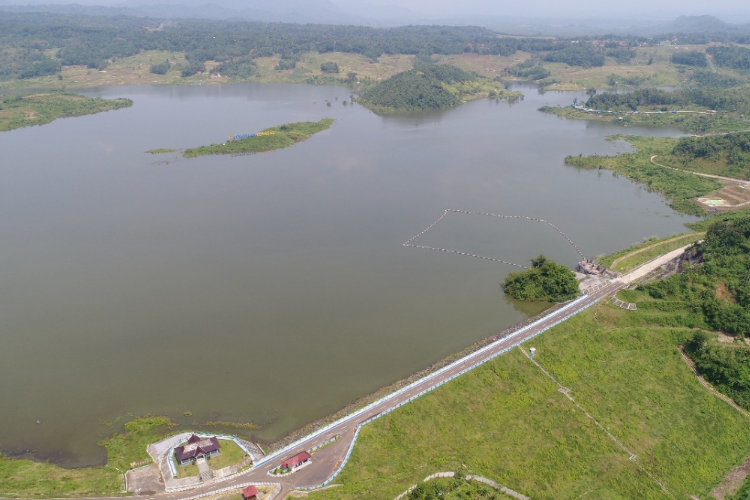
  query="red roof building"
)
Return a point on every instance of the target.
[
  {"x": 296, "y": 460},
  {"x": 195, "y": 448},
  {"x": 250, "y": 493}
]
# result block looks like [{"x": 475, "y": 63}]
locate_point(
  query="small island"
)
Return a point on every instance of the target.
[
  {"x": 270, "y": 139},
  {"x": 432, "y": 86},
  {"x": 545, "y": 281},
  {"x": 40, "y": 109}
]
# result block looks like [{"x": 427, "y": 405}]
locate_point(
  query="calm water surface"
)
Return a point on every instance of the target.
[{"x": 272, "y": 288}]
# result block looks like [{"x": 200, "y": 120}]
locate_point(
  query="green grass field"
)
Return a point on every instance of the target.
[
  {"x": 27, "y": 479},
  {"x": 230, "y": 454},
  {"x": 507, "y": 421}
]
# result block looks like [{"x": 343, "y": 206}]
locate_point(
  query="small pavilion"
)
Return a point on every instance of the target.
[{"x": 250, "y": 493}]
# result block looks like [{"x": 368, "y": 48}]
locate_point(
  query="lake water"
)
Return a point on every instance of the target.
[{"x": 273, "y": 288}]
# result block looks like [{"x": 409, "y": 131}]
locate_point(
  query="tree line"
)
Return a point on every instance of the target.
[
  {"x": 729, "y": 99},
  {"x": 29, "y": 39},
  {"x": 38, "y": 44}
]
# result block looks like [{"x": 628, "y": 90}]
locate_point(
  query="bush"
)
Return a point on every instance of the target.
[
  {"x": 692, "y": 58},
  {"x": 160, "y": 68},
  {"x": 329, "y": 67}
]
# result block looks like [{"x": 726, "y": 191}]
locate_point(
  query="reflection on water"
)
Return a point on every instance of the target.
[{"x": 132, "y": 285}]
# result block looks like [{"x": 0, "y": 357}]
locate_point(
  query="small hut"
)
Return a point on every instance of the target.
[
  {"x": 250, "y": 493},
  {"x": 297, "y": 460}
]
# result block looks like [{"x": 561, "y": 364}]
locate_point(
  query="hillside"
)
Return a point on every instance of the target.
[{"x": 430, "y": 86}]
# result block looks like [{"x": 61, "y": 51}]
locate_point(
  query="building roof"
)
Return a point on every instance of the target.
[
  {"x": 297, "y": 459},
  {"x": 250, "y": 491},
  {"x": 196, "y": 447}
]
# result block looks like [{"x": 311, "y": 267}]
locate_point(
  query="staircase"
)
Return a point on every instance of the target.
[{"x": 205, "y": 471}]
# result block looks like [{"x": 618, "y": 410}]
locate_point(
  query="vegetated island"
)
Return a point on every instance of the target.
[
  {"x": 39, "y": 109},
  {"x": 432, "y": 86},
  {"x": 544, "y": 281},
  {"x": 270, "y": 139},
  {"x": 159, "y": 151}
]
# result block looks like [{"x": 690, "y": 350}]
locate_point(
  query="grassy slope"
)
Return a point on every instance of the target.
[
  {"x": 24, "y": 478},
  {"x": 39, "y": 109},
  {"x": 636, "y": 260},
  {"x": 647, "y": 250},
  {"x": 285, "y": 136},
  {"x": 308, "y": 67},
  {"x": 507, "y": 421},
  {"x": 718, "y": 164},
  {"x": 660, "y": 73},
  {"x": 678, "y": 187}
]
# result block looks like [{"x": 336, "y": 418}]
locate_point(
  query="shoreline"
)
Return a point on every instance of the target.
[
  {"x": 272, "y": 446},
  {"x": 363, "y": 401}
]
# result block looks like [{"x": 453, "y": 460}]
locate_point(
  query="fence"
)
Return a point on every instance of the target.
[{"x": 169, "y": 457}]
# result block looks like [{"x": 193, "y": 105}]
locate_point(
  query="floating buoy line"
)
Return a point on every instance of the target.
[{"x": 410, "y": 241}]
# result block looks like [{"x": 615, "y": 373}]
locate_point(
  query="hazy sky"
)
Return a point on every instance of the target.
[
  {"x": 729, "y": 10},
  {"x": 732, "y": 11}
]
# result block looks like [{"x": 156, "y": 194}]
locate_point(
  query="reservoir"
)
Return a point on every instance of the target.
[{"x": 274, "y": 288}]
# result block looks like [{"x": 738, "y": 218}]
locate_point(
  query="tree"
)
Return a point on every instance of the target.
[{"x": 545, "y": 281}]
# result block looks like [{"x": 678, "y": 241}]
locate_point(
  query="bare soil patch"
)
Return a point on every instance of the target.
[
  {"x": 732, "y": 482},
  {"x": 723, "y": 293}
]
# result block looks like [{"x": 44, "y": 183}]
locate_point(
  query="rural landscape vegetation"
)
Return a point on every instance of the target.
[{"x": 648, "y": 403}]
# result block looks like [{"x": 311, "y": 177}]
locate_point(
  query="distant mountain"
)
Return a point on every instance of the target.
[
  {"x": 697, "y": 24},
  {"x": 384, "y": 15},
  {"x": 288, "y": 11},
  {"x": 702, "y": 24},
  {"x": 362, "y": 12}
]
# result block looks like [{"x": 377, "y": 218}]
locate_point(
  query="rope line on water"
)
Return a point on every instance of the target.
[{"x": 410, "y": 241}]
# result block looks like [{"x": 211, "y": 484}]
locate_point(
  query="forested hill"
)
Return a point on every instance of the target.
[
  {"x": 37, "y": 44},
  {"x": 430, "y": 86},
  {"x": 419, "y": 88}
]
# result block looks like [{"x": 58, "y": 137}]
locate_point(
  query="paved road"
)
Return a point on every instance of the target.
[{"x": 327, "y": 460}]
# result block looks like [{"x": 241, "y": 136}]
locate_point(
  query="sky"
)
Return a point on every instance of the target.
[
  {"x": 728, "y": 10},
  {"x": 732, "y": 11}
]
